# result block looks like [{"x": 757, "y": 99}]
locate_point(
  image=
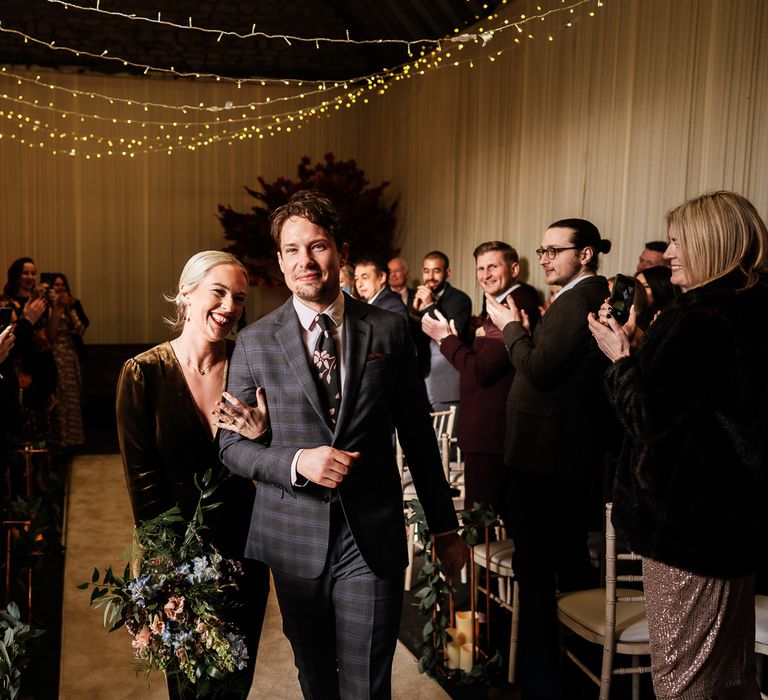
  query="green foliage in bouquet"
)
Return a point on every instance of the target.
[
  {"x": 170, "y": 599},
  {"x": 434, "y": 598},
  {"x": 14, "y": 635},
  {"x": 369, "y": 225}
]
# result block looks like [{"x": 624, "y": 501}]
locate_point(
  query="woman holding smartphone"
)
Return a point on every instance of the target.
[
  {"x": 170, "y": 407},
  {"x": 692, "y": 481},
  {"x": 32, "y": 358}
]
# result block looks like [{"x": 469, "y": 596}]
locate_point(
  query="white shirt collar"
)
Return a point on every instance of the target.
[
  {"x": 376, "y": 296},
  {"x": 509, "y": 291},
  {"x": 575, "y": 281},
  {"x": 307, "y": 316}
]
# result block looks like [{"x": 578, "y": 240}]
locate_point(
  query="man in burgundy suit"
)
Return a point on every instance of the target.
[{"x": 485, "y": 374}]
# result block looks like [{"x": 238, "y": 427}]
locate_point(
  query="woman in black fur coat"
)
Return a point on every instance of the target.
[{"x": 691, "y": 491}]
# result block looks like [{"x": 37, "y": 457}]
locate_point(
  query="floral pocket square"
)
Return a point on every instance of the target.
[{"x": 377, "y": 356}]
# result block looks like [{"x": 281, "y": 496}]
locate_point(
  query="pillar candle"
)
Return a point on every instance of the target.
[
  {"x": 464, "y": 623},
  {"x": 454, "y": 635},
  {"x": 466, "y": 660},
  {"x": 453, "y": 654}
]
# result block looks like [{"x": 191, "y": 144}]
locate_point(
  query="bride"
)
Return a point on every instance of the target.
[{"x": 171, "y": 404}]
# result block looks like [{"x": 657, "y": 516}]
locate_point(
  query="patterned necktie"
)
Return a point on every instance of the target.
[{"x": 327, "y": 367}]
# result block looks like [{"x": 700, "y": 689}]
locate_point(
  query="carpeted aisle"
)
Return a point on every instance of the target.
[{"x": 96, "y": 665}]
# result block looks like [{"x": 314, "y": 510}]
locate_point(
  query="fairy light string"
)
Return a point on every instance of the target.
[
  {"x": 481, "y": 36},
  {"x": 221, "y": 33},
  {"x": 184, "y": 133}
]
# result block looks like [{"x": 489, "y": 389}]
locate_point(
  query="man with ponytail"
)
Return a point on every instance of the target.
[{"x": 556, "y": 409}]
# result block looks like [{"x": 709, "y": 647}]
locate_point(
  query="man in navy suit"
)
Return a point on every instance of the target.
[
  {"x": 328, "y": 514},
  {"x": 433, "y": 295},
  {"x": 371, "y": 285}
]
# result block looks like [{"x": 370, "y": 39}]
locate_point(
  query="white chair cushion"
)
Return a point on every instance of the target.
[
  {"x": 587, "y": 608},
  {"x": 761, "y": 619},
  {"x": 501, "y": 556}
]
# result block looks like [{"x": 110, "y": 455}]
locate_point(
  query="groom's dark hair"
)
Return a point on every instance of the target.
[{"x": 309, "y": 205}]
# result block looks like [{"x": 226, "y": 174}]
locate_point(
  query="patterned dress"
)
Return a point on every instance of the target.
[{"x": 69, "y": 381}]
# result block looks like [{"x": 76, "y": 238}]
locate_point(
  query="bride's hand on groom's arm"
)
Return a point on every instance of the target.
[{"x": 251, "y": 422}]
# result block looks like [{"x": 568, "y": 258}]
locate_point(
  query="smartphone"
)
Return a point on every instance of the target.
[
  {"x": 6, "y": 316},
  {"x": 622, "y": 297}
]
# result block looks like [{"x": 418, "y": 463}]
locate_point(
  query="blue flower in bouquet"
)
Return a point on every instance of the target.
[
  {"x": 239, "y": 650},
  {"x": 202, "y": 571},
  {"x": 139, "y": 590}
]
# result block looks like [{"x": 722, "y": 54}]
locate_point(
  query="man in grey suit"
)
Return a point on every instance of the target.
[{"x": 328, "y": 516}]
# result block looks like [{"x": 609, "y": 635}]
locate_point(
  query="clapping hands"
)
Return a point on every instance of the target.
[
  {"x": 503, "y": 314},
  {"x": 612, "y": 338}
]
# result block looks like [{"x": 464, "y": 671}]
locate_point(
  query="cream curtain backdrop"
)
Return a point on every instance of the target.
[{"x": 619, "y": 118}]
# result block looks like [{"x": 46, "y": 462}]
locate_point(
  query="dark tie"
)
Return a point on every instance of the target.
[{"x": 327, "y": 367}]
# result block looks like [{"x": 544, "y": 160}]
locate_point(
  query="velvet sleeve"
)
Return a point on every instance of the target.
[{"x": 138, "y": 444}]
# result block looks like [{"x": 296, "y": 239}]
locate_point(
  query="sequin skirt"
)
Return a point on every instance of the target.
[{"x": 701, "y": 631}]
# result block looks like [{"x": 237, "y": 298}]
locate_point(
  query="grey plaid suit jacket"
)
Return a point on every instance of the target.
[{"x": 289, "y": 526}]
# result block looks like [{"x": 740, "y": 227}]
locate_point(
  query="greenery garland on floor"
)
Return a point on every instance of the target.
[
  {"x": 434, "y": 598},
  {"x": 14, "y": 635}
]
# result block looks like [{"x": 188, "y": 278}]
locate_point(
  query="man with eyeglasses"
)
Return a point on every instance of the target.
[{"x": 557, "y": 414}]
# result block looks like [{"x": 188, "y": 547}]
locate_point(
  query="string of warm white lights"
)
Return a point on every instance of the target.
[
  {"x": 202, "y": 107},
  {"x": 175, "y": 123},
  {"x": 170, "y": 141},
  {"x": 147, "y": 69},
  {"x": 132, "y": 147},
  {"x": 482, "y": 36},
  {"x": 221, "y": 33}
]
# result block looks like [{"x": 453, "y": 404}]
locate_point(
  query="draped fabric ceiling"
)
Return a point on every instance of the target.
[{"x": 617, "y": 118}]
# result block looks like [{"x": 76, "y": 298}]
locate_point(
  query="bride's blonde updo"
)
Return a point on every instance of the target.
[{"x": 197, "y": 267}]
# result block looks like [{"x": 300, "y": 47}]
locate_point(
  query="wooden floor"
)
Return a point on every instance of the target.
[{"x": 96, "y": 665}]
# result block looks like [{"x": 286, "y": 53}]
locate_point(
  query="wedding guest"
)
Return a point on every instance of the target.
[
  {"x": 652, "y": 255},
  {"x": 554, "y": 407},
  {"x": 77, "y": 306},
  {"x": 437, "y": 294},
  {"x": 64, "y": 325},
  {"x": 655, "y": 291},
  {"x": 372, "y": 288},
  {"x": 398, "y": 280},
  {"x": 486, "y": 375},
  {"x": 171, "y": 408},
  {"x": 692, "y": 485},
  {"x": 347, "y": 280},
  {"x": 32, "y": 357},
  {"x": 9, "y": 394}
]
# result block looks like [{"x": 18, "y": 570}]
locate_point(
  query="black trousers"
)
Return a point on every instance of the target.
[{"x": 549, "y": 520}]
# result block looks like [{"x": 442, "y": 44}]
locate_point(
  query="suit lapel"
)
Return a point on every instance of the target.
[
  {"x": 357, "y": 342},
  {"x": 288, "y": 334}
]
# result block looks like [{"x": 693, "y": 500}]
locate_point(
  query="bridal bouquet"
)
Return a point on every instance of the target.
[{"x": 170, "y": 599}]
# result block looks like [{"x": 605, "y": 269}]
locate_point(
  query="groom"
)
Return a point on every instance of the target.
[{"x": 328, "y": 517}]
